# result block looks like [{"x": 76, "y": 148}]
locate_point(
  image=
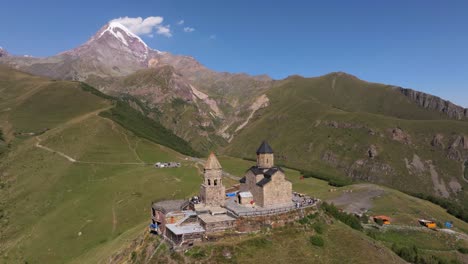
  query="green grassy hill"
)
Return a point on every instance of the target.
[
  {"x": 86, "y": 179},
  {"x": 77, "y": 181},
  {"x": 328, "y": 124}
]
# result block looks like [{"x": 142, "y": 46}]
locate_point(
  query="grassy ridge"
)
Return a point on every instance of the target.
[
  {"x": 147, "y": 128},
  {"x": 141, "y": 125},
  {"x": 53, "y": 210},
  {"x": 327, "y": 124}
]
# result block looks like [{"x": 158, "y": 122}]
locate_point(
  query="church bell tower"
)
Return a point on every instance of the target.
[
  {"x": 265, "y": 157},
  {"x": 212, "y": 191}
]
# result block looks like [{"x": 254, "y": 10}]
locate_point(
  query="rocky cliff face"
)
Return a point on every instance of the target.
[{"x": 435, "y": 103}]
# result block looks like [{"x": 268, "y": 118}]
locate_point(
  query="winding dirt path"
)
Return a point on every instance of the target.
[
  {"x": 114, "y": 219},
  {"x": 38, "y": 144},
  {"x": 84, "y": 162},
  {"x": 458, "y": 235},
  {"x": 77, "y": 120}
]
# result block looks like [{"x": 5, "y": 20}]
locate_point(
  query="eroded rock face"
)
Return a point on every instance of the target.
[
  {"x": 372, "y": 151},
  {"x": 454, "y": 154},
  {"x": 455, "y": 186},
  {"x": 456, "y": 149},
  {"x": 437, "y": 141},
  {"x": 367, "y": 170},
  {"x": 457, "y": 142},
  {"x": 399, "y": 135},
  {"x": 435, "y": 103}
]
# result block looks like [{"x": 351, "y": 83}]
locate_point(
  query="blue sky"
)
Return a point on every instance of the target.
[{"x": 417, "y": 44}]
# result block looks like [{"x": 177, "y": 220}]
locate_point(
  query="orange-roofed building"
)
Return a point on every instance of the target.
[{"x": 385, "y": 219}]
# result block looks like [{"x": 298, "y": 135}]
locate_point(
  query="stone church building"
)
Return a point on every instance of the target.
[
  {"x": 265, "y": 182},
  {"x": 263, "y": 191}
]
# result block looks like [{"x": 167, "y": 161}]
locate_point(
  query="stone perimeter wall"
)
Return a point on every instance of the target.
[{"x": 251, "y": 224}]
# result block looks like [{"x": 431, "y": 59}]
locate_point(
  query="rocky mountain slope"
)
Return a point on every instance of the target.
[
  {"x": 436, "y": 103},
  {"x": 118, "y": 62}
]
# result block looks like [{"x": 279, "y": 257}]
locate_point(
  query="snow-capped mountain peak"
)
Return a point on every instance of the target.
[{"x": 121, "y": 33}]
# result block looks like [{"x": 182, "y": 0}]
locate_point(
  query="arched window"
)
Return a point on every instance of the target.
[
  {"x": 215, "y": 182},
  {"x": 209, "y": 182}
]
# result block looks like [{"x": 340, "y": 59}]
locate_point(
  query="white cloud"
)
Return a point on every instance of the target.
[
  {"x": 189, "y": 29},
  {"x": 181, "y": 22},
  {"x": 164, "y": 30},
  {"x": 140, "y": 26}
]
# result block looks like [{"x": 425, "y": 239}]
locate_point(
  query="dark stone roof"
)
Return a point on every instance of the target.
[
  {"x": 272, "y": 171},
  {"x": 256, "y": 170},
  {"x": 267, "y": 173},
  {"x": 264, "y": 181},
  {"x": 264, "y": 148}
]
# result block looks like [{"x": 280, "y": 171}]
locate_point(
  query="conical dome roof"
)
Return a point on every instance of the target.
[
  {"x": 212, "y": 163},
  {"x": 264, "y": 148}
]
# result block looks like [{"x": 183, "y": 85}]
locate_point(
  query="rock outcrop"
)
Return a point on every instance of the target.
[
  {"x": 435, "y": 103},
  {"x": 457, "y": 148},
  {"x": 372, "y": 151},
  {"x": 454, "y": 154},
  {"x": 437, "y": 141},
  {"x": 399, "y": 135}
]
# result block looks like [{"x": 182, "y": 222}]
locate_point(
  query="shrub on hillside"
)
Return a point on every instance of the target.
[
  {"x": 148, "y": 128},
  {"x": 303, "y": 221},
  {"x": 452, "y": 207},
  {"x": 348, "y": 219},
  {"x": 379, "y": 221},
  {"x": 317, "y": 241},
  {"x": 413, "y": 255},
  {"x": 196, "y": 253},
  {"x": 364, "y": 219},
  {"x": 313, "y": 216},
  {"x": 87, "y": 88},
  {"x": 463, "y": 250},
  {"x": 319, "y": 227},
  {"x": 1, "y": 135},
  {"x": 336, "y": 181}
]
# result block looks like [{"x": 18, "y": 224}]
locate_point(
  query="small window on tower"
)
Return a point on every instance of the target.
[
  {"x": 209, "y": 182},
  {"x": 215, "y": 182}
]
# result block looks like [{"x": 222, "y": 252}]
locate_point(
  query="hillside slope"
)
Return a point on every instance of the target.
[
  {"x": 339, "y": 125},
  {"x": 72, "y": 180}
]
